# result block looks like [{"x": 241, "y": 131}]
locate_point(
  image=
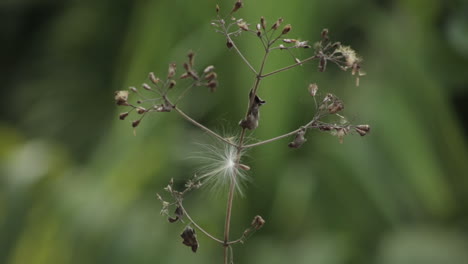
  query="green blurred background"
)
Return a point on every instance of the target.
[{"x": 76, "y": 186}]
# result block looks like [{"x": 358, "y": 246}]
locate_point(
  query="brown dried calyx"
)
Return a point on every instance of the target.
[
  {"x": 298, "y": 140},
  {"x": 253, "y": 115},
  {"x": 190, "y": 238},
  {"x": 178, "y": 215}
]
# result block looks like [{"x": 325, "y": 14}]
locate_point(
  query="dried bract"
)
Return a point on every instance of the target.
[
  {"x": 253, "y": 115},
  {"x": 257, "y": 223},
  {"x": 190, "y": 238},
  {"x": 298, "y": 140}
]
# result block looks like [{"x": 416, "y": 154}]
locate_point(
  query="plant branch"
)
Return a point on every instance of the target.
[
  {"x": 197, "y": 226},
  {"x": 238, "y": 51},
  {"x": 289, "y": 67}
]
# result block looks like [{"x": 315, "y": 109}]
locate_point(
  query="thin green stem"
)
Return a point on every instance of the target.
[
  {"x": 289, "y": 67},
  {"x": 197, "y": 226}
]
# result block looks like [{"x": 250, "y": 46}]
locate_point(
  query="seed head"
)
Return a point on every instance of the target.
[{"x": 121, "y": 97}]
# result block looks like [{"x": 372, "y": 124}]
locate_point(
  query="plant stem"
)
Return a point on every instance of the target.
[{"x": 240, "y": 146}]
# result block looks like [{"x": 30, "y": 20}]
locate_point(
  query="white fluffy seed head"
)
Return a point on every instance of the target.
[{"x": 218, "y": 167}]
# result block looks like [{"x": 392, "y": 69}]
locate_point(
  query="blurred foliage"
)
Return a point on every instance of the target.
[{"x": 77, "y": 187}]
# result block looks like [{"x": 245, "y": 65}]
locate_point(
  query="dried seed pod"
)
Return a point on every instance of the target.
[
  {"x": 362, "y": 129},
  {"x": 121, "y": 97},
  {"x": 147, "y": 87},
  {"x": 257, "y": 223},
  {"x": 171, "y": 71},
  {"x": 237, "y": 6},
  {"x": 324, "y": 34},
  {"x": 263, "y": 22},
  {"x": 289, "y": 40},
  {"x": 133, "y": 89},
  {"x": 213, "y": 85},
  {"x": 277, "y": 24},
  {"x": 191, "y": 56},
  {"x": 153, "y": 78},
  {"x": 190, "y": 238},
  {"x": 313, "y": 88},
  {"x": 286, "y": 29},
  {"x": 208, "y": 69},
  {"x": 335, "y": 107},
  {"x": 322, "y": 64},
  {"x": 122, "y": 116},
  {"x": 229, "y": 43},
  {"x": 253, "y": 115},
  {"x": 211, "y": 76},
  {"x": 217, "y": 9},
  {"x": 178, "y": 215},
  {"x": 298, "y": 140},
  {"x": 136, "y": 123},
  {"x": 141, "y": 110},
  {"x": 184, "y": 75},
  {"x": 172, "y": 83},
  {"x": 243, "y": 25}
]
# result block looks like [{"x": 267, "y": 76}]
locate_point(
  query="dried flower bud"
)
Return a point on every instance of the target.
[
  {"x": 229, "y": 44},
  {"x": 172, "y": 83},
  {"x": 208, "y": 69},
  {"x": 289, "y": 40},
  {"x": 211, "y": 76},
  {"x": 171, "y": 71},
  {"x": 122, "y": 116},
  {"x": 281, "y": 46},
  {"x": 253, "y": 115},
  {"x": 362, "y": 129},
  {"x": 186, "y": 66},
  {"x": 139, "y": 101},
  {"x": 213, "y": 84},
  {"x": 257, "y": 223},
  {"x": 286, "y": 29},
  {"x": 184, "y": 75},
  {"x": 140, "y": 110},
  {"x": 178, "y": 215},
  {"x": 341, "y": 132},
  {"x": 190, "y": 238},
  {"x": 136, "y": 123},
  {"x": 191, "y": 56},
  {"x": 313, "y": 88},
  {"x": 277, "y": 24},
  {"x": 324, "y": 34},
  {"x": 263, "y": 22},
  {"x": 237, "y": 6},
  {"x": 243, "y": 167},
  {"x": 243, "y": 25},
  {"x": 153, "y": 78},
  {"x": 297, "y": 60},
  {"x": 217, "y": 9},
  {"x": 121, "y": 97},
  {"x": 146, "y": 87},
  {"x": 193, "y": 74},
  {"x": 298, "y": 140},
  {"x": 336, "y": 107},
  {"x": 322, "y": 64},
  {"x": 133, "y": 89}
]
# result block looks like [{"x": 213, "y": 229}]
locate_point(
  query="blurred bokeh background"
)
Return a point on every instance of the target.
[{"x": 76, "y": 186}]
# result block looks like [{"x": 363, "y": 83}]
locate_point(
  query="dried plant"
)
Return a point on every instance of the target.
[{"x": 225, "y": 167}]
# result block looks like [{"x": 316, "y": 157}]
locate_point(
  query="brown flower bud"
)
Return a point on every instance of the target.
[
  {"x": 253, "y": 115},
  {"x": 257, "y": 223},
  {"x": 190, "y": 238},
  {"x": 122, "y": 116},
  {"x": 186, "y": 66},
  {"x": 136, "y": 123},
  {"x": 193, "y": 74},
  {"x": 289, "y": 40},
  {"x": 171, "y": 71},
  {"x": 217, "y": 9},
  {"x": 286, "y": 29},
  {"x": 121, "y": 97}
]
